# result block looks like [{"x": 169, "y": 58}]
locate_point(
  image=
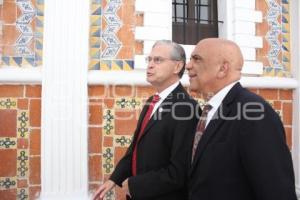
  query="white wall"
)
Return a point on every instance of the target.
[{"x": 295, "y": 65}]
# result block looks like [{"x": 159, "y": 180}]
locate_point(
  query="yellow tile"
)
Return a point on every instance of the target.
[
  {"x": 23, "y": 124},
  {"x": 94, "y": 41},
  {"x": 8, "y": 103},
  {"x": 39, "y": 30},
  {"x": 94, "y": 7},
  {"x": 94, "y": 53},
  {"x": 115, "y": 66},
  {"x": 23, "y": 163},
  {"x": 8, "y": 143},
  {"x": 94, "y": 31},
  {"x": 107, "y": 160},
  {"x": 126, "y": 67},
  {"x": 93, "y": 63},
  {"x": 11, "y": 180},
  {"x": 22, "y": 192},
  {"x": 95, "y": 20},
  {"x": 104, "y": 66},
  {"x": 122, "y": 140}
]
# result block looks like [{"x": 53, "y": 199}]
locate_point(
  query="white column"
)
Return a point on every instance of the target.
[
  {"x": 295, "y": 48},
  {"x": 64, "y": 100},
  {"x": 225, "y": 14}
]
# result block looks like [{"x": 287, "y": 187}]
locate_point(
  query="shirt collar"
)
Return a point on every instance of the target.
[
  {"x": 217, "y": 99},
  {"x": 167, "y": 91}
]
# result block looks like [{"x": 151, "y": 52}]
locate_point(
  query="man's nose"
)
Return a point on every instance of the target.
[
  {"x": 188, "y": 65},
  {"x": 150, "y": 65}
]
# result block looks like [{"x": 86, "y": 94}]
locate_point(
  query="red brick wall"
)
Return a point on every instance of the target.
[
  {"x": 112, "y": 120},
  {"x": 20, "y": 117},
  {"x": 281, "y": 101}
]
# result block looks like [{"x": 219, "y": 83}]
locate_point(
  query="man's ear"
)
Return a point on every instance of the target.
[
  {"x": 178, "y": 67},
  {"x": 223, "y": 70}
]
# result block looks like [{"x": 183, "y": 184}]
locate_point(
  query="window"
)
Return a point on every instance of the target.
[{"x": 194, "y": 20}]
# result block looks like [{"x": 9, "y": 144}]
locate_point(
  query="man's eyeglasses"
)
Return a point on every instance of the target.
[{"x": 157, "y": 59}]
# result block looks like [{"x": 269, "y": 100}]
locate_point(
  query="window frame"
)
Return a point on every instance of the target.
[{"x": 191, "y": 20}]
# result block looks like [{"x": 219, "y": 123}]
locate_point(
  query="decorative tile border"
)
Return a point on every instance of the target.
[
  {"x": 95, "y": 34},
  {"x": 122, "y": 140},
  {"x": 286, "y": 38},
  {"x": 24, "y": 55},
  {"x": 131, "y": 103},
  {"x": 8, "y": 183},
  {"x": 23, "y": 25},
  {"x": 22, "y": 194},
  {"x": 23, "y": 124},
  {"x": 8, "y": 103},
  {"x": 113, "y": 24},
  {"x": 105, "y": 65},
  {"x": 278, "y": 54},
  {"x": 1, "y": 31},
  {"x": 8, "y": 143},
  {"x": 104, "y": 42},
  {"x": 23, "y": 163},
  {"x": 108, "y": 123},
  {"x": 20, "y": 144},
  {"x": 107, "y": 160}
]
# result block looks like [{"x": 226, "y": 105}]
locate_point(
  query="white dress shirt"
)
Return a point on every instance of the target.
[
  {"x": 216, "y": 101},
  {"x": 163, "y": 95}
]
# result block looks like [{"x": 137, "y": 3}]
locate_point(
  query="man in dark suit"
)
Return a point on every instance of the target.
[
  {"x": 154, "y": 167},
  {"x": 242, "y": 152}
]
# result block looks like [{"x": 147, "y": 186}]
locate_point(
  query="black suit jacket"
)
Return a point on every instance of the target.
[
  {"x": 240, "y": 157},
  {"x": 161, "y": 151}
]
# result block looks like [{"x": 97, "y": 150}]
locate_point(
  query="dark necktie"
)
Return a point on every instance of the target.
[
  {"x": 200, "y": 128},
  {"x": 144, "y": 123}
]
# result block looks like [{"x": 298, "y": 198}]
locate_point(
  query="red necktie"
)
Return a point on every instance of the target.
[
  {"x": 200, "y": 128},
  {"x": 144, "y": 123}
]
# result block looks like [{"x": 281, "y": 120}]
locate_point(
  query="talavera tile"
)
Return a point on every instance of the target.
[
  {"x": 23, "y": 25},
  {"x": 107, "y": 160},
  {"x": 8, "y": 183},
  {"x": 278, "y": 54},
  {"x": 106, "y": 21},
  {"x": 22, "y": 193},
  {"x": 8, "y": 142}
]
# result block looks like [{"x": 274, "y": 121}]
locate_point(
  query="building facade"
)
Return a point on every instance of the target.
[{"x": 72, "y": 81}]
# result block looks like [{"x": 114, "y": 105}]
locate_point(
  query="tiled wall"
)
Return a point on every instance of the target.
[
  {"x": 112, "y": 44},
  {"x": 113, "y": 113},
  {"x": 20, "y": 116},
  {"x": 275, "y": 31},
  {"x": 112, "y": 120},
  {"x": 113, "y": 116},
  {"x": 113, "y": 110},
  {"x": 21, "y": 41}
]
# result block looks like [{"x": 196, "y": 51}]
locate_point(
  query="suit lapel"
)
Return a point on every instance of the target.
[
  {"x": 163, "y": 109},
  {"x": 141, "y": 118},
  {"x": 143, "y": 113},
  {"x": 215, "y": 123},
  {"x": 209, "y": 132}
]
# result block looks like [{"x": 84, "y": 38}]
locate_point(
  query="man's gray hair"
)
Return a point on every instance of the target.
[{"x": 177, "y": 52}]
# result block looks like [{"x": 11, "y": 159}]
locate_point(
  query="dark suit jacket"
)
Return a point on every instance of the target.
[
  {"x": 162, "y": 150},
  {"x": 240, "y": 157}
]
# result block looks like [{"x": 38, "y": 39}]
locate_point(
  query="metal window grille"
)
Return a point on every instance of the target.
[{"x": 194, "y": 20}]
